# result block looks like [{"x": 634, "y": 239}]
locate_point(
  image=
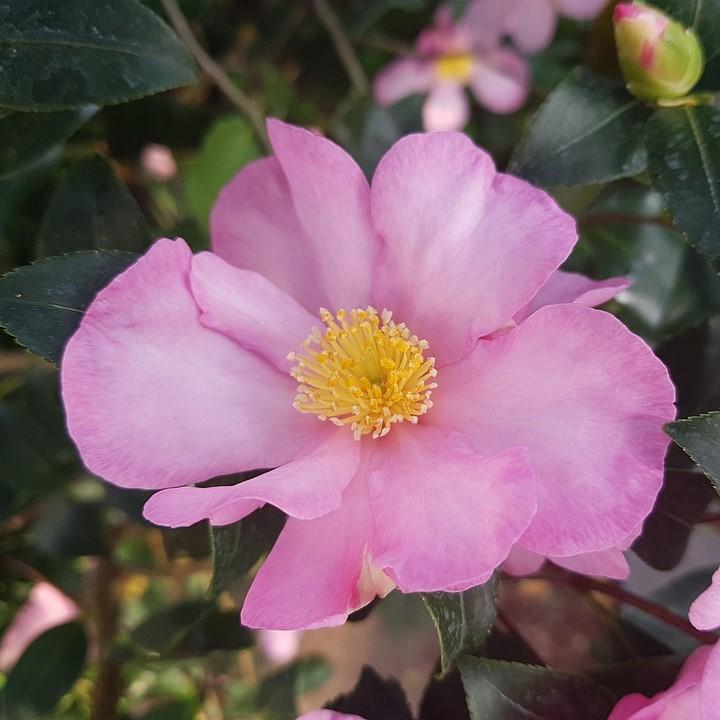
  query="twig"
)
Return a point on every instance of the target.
[
  {"x": 588, "y": 584},
  {"x": 343, "y": 46},
  {"x": 215, "y": 71},
  {"x": 596, "y": 219}
]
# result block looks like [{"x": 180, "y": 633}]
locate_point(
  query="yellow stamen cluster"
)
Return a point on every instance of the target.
[
  {"x": 363, "y": 371},
  {"x": 457, "y": 67}
]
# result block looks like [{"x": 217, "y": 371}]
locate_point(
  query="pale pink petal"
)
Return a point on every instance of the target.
[
  {"x": 155, "y": 399},
  {"x": 46, "y": 607},
  {"x": 401, "y": 78},
  {"x": 610, "y": 563},
  {"x": 332, "y": 201},
  {"x": 446, "y": 107},
  {"x": 580, "y": 9},
  {"x": 531, "y": 24},
  {"x": 248, "y": 308},
  {"x": 455, "y": 499},
  {"x": 521, "y": 561},
  {"x": 464, "y": 247},
  {"x": 705, "y": 611},
  {"x": 254, "y": 226},
  {"x": 314, "y": 575},
  {"x": 279, "y": 646},
  {"x": 328, "y": 715},
  {"x": 587, "y": 399},
  {"x": 566, "y": 287},
  {"x": 308, "y": 487},
  {"x": 710, "y": 687},
  {"x": 486, "y": 21},
  {"x": 501, "y": 81}
]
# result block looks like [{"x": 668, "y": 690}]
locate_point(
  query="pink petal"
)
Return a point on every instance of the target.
[
  {"x": 628, "y": 706},
  {"x": 154, "y": 399},
  {"x": 332, "y": 201},
  {"x": 465, "y": 247},
  {"x": 254, "y": 226},
  {"x": 587, "y": 399},
  {"x": 501, "y": 81},
  {"x": 705, "y": 611},
  {"x": 710, "y": 687},
  {"x": 279, "y": 646},
  {"x": 457, "y": 516},
  {"x": 317, "y": 573},
  {"x": 446, "y": 107},
  {"x": 521, "y": 561},
  {"x": 565, "y": 287},
  {"x": 248, "y": 308},
  {"x": 306, "y": 488},
  {"x": 532, "y": 25},
  {"x": 610, "y": 563},
  {"x": 580, "y": 9},
  {"x": 46, "y": 607},
  {"x": 401, "y": 78}
]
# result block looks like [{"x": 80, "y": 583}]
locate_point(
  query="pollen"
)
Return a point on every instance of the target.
[
  {"x": 457, "y": 67},
  {"x": 363, "y": 371}
]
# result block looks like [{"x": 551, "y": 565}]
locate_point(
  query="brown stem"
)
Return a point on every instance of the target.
[
  {"x": 109, "y": 684},
  {"x": 710, "y": 517},
  {"x": 215, "y": 71},
  {"x": 343, "y": 46},
  {"x": 588, "y": 584},
  {"x": 594, "y": 220}
]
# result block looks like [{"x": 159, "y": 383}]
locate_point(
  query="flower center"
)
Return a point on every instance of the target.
[
  {"x": 457, "y": 67},
  {"x": 363, "y": 371}
]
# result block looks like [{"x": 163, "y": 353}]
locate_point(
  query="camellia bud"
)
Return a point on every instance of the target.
[{"x": 660, "y": 58}]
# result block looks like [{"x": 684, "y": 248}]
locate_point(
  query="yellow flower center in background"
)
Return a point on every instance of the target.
[
  {"x": 363, "y": 371},
  {"x": 456, "y": 67}
]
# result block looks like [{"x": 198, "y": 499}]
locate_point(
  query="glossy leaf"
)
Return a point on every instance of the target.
[
  {"x": 700, "y": 438},
  {"x": 45, "y": 672},
  {"x": 228, "y": 147},
  {"x": 463, "y": 620},
  {"x": 684, "y": 164},
  {"x": 55, "y": 56},
  {"x": 93, "y": 210},
  {"x": 589, "y": 130},
  {"x": 237, "y": 547},
  {"x": 498, "y": 690},
  {"x": 28, "y": 137},
  {"x": 42, "y": 304}
]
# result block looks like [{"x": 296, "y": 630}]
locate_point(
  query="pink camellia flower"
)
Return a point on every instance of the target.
[
  {"x": 46, "y": 607},
  {"x": 414, "y": 445},
  {"x": 448, "y": 58},
  {"x": 695, "y": 694},
  {"x": 530, "y": 24}
]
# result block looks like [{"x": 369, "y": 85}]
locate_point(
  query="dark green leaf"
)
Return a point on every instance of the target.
[
  {"x": 699, "y": 437},
  {"x": 589, "y": 130},
  {"x": 374, "y": 698},
  {"x": 93, "y": 210},
  {"x": 229, "y": 146},
  {"x": 277, "y": 695},
  {"x": 681, "y": 503},
  {"x": 42, "y": 304},
  {"x": 463, "y": 620},
  {"x": 648, "y": 675},
  {"x": 443, "y": 698},
  {"x": 236, "y": 548},
  {"x": 704, "y": 17},
  {"x": 498, "y": 690},
  {"x": 28, "y": 137},
  {"x": 684, "y": 164},
  {"x": 374, "y": 10},
  {"x": 192, "y": 628},
  {"x": 45, "y": 672},
  {"x": 55, "y": 56}
]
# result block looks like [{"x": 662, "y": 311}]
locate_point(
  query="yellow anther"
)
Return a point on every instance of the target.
[
  {"x": 366, "y": 372},
  {"x": 457, "y": 67}
]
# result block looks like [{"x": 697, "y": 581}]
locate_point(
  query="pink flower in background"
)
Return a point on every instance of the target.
[
  {"x": 530, "y": 24},
  {"x": 695, "y": 695},
  {"x": 158, "y": 162},
  {"x": 464, "y": 422},
  {"x": 46, "y": 607},
  {"x": 705, "y": 611},
  {"x": 279, "y": 646},
  {"x": 450, "y": 57}
]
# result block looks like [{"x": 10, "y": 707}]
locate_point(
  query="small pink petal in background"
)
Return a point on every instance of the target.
[
  {"x": 501, "y": 81},
  {"x": 403, "y": 77},
  {"x": 279, "y": 646},
  {"x": 705, "y": 611},
  {"x": 158, "y": 162}
]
